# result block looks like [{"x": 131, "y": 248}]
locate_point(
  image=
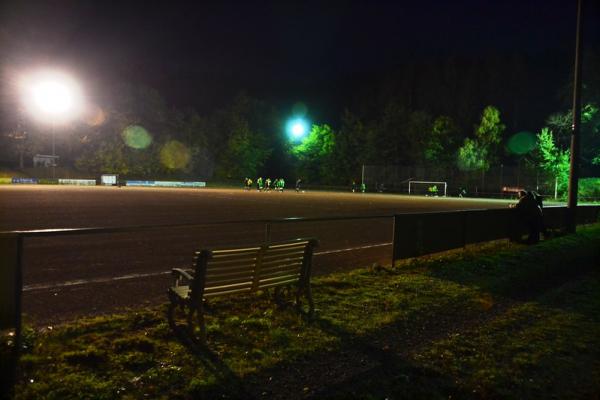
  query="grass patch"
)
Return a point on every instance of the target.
[{"x": 500, "y": 321}]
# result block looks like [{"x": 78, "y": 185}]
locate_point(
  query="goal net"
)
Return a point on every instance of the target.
[{"x": 427, "y": 188}]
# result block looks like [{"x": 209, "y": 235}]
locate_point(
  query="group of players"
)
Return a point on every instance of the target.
[{"x": 266, "y": 185}]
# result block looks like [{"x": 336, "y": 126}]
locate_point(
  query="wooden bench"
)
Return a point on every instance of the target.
[{"x": 241, "y": 270}]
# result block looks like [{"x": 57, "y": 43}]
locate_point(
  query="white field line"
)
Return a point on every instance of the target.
[{"x": 79, "y": 282}]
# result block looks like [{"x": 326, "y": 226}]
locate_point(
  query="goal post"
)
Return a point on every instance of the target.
[{"x": 428, "y": 188}]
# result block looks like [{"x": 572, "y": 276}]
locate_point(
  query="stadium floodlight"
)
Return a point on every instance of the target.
[
  {"x": 51, "y": 95},
  {"x": 54, "y": 97},
  {"x": 297, "y": 129}
]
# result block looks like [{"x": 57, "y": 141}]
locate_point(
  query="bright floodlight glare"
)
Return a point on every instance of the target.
[{"x": 51, "y": 95}]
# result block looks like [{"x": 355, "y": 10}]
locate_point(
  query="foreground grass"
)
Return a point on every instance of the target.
[{"x": 497, "y": 322}]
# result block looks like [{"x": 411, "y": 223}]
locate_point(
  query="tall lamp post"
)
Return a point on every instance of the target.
[
  {"x": 575, "y": 133},
  {"x": 54, "y": 97}
]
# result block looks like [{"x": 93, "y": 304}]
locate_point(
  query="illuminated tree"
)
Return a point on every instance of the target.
[
  {"x": 482, "y": 151},
  {"x": 554, "y": 160},
  {"x": 440, "y": 146},
  {"x": 472, "y": 156},
  {"x": 315, "y": 155},
  {"x": 245, "y": 153}
]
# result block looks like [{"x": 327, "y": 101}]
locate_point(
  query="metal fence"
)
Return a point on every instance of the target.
[
  {"x": 412, "y": 235},
  {"x": 395, "y": 178}
]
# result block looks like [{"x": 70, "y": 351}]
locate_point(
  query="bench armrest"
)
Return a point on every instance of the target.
[{"x": 180, "y": 275}]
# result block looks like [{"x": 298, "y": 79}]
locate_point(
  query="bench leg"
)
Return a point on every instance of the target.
[
  {"x": 308, "y": 294},
  {"x": 202, "y": 324},
  {"x": 311, "y": 304},
  {"x": 171, "y": 315},
  {"x": 190, "y": 322}
]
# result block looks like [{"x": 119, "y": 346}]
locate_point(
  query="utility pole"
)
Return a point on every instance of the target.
[{"x": 575, "y": 133}]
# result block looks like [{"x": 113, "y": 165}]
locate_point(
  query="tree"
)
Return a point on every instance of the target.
[
  {"x": 440, "y": 145},
  {"x": 472, "y": 156},
  {"x": 489, "y": 133},
  {"x": 554, "y": 160},
  {"x": 482, "y": 151},
  {"x": 315, "y": 155},
  {"x": 351, "y": 146},
  {"x": 561, "y": 126}
]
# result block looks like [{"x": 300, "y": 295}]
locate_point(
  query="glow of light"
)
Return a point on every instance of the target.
[
  {"x": 297, "y": 129},
  {"x": 51, "y": 95}
]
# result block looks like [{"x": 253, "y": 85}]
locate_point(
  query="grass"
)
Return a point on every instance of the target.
[{"x": 498, "y": 321}]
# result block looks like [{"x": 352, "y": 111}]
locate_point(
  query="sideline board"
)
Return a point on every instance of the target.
[
  {"x": 166, "y": 184},
  {"x": 78, "y": 182}
]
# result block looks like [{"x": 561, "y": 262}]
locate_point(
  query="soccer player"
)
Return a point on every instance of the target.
[{"x": 268, "y": 184}]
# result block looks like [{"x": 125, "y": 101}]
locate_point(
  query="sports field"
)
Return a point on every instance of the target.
[{"x": 66, "y": 276}]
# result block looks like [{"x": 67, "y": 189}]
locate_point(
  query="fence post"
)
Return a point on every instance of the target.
[
  {"x": 11, "y": 282},
  {"x": 394, "y": 240},
  {"x": 267, "y": 232}
]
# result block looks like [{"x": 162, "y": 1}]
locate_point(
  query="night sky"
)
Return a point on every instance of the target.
[{"x": 201, "y": 54}]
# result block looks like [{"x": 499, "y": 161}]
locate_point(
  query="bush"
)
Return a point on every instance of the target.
[{"x": 589, "y": 189}]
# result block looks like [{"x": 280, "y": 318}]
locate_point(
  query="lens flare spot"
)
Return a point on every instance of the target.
[
  {"x": 175, "y": 155},
  {"x": 94, "y": 116},
  {"x": 521, "y": 143},
  {"x": 136, "y": 137}
]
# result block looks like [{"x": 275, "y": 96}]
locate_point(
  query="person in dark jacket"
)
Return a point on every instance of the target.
[
  {"x": 539, "y": 200},
  {"x": 529, "y": 215}
]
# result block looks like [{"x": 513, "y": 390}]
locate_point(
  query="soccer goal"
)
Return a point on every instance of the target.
[{"x": 428, "y": 188}]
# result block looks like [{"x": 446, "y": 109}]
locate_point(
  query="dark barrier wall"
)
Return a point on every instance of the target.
[
  {"x": 420, "y": 234},
  {"x": 9, "y": 270}
]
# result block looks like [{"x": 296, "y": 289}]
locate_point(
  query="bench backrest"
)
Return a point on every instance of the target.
[{"x": 228, "y": 271}]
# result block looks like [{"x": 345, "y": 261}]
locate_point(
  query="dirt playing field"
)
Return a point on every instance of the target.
[{"x": 68, "y": 276}]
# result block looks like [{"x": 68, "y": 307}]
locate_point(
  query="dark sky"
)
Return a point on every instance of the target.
[{"x": 201, "y": 53}]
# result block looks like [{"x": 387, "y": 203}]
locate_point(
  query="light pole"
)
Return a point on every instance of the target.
[
  {"x": 52, "y": 96},
  {"x": 575, "y": 133}
]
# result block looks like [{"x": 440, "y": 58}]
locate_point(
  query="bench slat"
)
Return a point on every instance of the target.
[
  {"x": 248, "y": 254},
  {"x": 228, "y": 292},
  {"x": 249, "y": 269},
  {"x": 280, "y": 267},
  {"x": 233, "y": 251},
  {"x": 282, "y": 275},
  {"x": 280, "y": 260},
  {"x": 224, "y": 278},
  {"x": 292, "y": 244},
  {"x": 271, "y": 254},
  {"x": 226, "y": 282},
  {"x": 227, "y": 286},
  {"x": 231, "y": 264},
  {"x": 278, "y": 250},
  {"x": 273, "y": 284}
]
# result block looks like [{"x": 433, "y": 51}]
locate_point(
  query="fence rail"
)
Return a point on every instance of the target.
[{"x": 414, "y": 234}]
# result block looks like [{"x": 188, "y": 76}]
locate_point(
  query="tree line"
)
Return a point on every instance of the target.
[{"x": 454, "y": 114}]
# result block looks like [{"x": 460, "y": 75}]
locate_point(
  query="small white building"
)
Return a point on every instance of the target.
[{"x": 44, "y": 160}]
